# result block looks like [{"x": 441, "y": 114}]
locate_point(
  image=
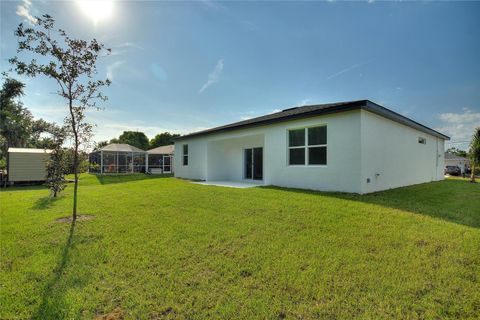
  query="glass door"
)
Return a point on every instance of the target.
[
  {"x": 167, "y": 165},
  {"x": 253, "y": 163}
]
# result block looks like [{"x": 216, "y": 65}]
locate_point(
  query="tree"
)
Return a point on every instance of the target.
[
  {"x": 474, "y": 152},
  {"x": 101, "y": 144},
  {"x": 57, "y": 165},
  {"x": 458, "y": 152},
  {"x": 18, "y": 128},
  {"x": 134, "y": 138},
  {"x": 72, "y": 63},
  {"x": 15, "y": 120},
  {"x": 163, "y": 139}
]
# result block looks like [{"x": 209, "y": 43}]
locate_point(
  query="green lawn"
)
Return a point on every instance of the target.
[{"x": 162, "y": 248}]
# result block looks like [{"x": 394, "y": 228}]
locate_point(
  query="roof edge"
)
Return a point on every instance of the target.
[
  {"x": 341, "y": 108},
  {"x": 353, "y": 105},
  {"x": 394, "y": 116}
]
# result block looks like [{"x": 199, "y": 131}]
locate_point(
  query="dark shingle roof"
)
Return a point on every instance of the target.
[{"x": 315, "y": 110}]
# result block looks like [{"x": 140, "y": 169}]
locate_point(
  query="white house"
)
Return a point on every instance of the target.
[
  {"x": 356, "y": 146},
  {"x": 454, "y": 160}
]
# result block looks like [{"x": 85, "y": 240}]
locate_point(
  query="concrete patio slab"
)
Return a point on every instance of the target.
[{"x": 230, "y": 184}]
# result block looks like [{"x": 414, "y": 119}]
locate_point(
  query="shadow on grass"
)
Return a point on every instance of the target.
[
  {"x": 44, "y": 203},
  {"x": 54, "y": 304},
  {"x": 122, "y": 178},
  {"x": 24, "y": 188},
  {"x": 455, "y": 201}
]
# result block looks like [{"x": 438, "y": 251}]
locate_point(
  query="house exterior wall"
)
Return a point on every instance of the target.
[
  {"x": 197, "y": 162},
  {"x": 342, "y": 171},
  {"x": 392, "y": 156},
  {"x": 27, "y": 166},
  {"x": 220, "y": 156},
  {"x": 360, "y": 145}
]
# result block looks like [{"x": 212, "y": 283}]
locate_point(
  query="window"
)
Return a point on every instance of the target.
[
  {"x": 185, "y": 154},
  {"x": 422, "y": 140},
  {"x": 307, "y": 146}
]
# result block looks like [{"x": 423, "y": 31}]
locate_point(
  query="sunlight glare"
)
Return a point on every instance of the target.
[{"x": 96, "y": 10}]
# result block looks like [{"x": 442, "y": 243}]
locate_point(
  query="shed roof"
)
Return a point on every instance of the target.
[
  {"x": 319, "y": 109},
  {"x": 28, "y": 150},
  {"x": 121, "y": 147},
  {"x": 162, "y": 150}
]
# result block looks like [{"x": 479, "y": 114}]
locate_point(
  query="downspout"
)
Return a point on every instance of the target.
[{"x": 101, "y": 162}]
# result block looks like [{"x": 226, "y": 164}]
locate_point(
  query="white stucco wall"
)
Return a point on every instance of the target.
[
  {"x": 392, "y": 157},
  {"x": 224, "y": 152},
  {"x": 197, "y": 162},
  {"x": 342, "y": 172},
  {"x": 360, "y": 146}
]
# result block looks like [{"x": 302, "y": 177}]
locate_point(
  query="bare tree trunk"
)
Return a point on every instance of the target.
[
  {"x": 472, "y": 174},
  {"x": 75, "y": 172},
  {"x": 75, "y": 158}
]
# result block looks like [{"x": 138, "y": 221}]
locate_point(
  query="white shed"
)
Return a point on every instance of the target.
[
  {"x": 355, "y": 146},
  {"x": 27, "y": 164}
]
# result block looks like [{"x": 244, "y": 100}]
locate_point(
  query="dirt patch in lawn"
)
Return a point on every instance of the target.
[
  {"x": 116, "y": 314},
  {"x": 80, "y": 217}
]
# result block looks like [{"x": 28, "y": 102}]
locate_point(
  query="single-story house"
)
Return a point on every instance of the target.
[
  {"x": 27, "y": 165},
  {"x": 454, "y": 160},
  {"x": 160, "y": 159},
  {"x": 117, "y": 158},
  {"x": 356, "y": 146}
]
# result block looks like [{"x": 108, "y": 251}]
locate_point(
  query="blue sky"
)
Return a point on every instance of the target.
[{"x": 186, "y": 66}]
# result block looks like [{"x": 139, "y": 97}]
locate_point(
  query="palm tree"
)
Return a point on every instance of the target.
[{"x": 474, "y": 152}]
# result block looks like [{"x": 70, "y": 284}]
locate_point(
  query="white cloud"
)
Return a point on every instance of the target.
[
  {"x": 112, "y": 67},
  {"x": 213, "y": 4},
  {"x": 304, "y": 102},
  {"x": 214, "y": 76},
  {"x": 459, "y": 126},
  {"x": 357, "y": 65},
  {"x": 23, "y": 10},
  {"x": 124, "y": 47}
]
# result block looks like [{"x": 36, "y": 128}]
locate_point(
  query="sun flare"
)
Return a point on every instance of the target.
[{"x": 97, "y": 10}]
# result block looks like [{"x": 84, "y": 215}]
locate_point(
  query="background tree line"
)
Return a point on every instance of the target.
[
  {"x": 18, "y": 128},
  {"x": 140, "y": 140}
]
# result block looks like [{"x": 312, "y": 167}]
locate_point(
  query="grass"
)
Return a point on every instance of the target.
[{"x": 162, "y": 248}]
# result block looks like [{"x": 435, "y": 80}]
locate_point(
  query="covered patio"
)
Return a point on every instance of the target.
[
  {"x": 117, "y": 158},
  {"x": 237, "y": 158}
]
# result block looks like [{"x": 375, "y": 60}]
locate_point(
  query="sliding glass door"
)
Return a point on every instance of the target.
[{"x": 253, "y": 163}]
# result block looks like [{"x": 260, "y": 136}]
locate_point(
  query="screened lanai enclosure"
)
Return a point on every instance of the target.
[
  {"x": 118, "y": 158},
  {"x": 160, "y": 160}
]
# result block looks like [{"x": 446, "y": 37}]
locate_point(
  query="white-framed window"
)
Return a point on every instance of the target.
[
  {"x": 185, "y": 154},
  {"x": 307, "y": 146},
  {"x": 422, "y": 140}
]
